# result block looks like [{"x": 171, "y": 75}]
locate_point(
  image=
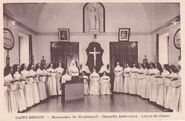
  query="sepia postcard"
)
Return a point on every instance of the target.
[{"x": 92, "y": 60}]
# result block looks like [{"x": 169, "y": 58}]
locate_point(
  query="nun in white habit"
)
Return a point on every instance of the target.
[
  {"x": 52, "y": 82},
  {"x": 126, "y": 73},
  {"x": 94, "y": 83},
  {"x": 118, "y": 80},
  {"x": 59, "y": 71}
]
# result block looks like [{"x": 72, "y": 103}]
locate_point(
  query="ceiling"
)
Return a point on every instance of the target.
[{"x": 40, "y": 16}]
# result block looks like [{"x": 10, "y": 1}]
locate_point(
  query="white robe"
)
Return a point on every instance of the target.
[
  {"x": 21, "y": 95},
  {"x": 59, "y": 72},
  {"x": 161, "y": 88},
  {"x": 118, "y": 80},
  {"x": 133, "y": 81},
  {"x": 176, "y": 93},
  {"x": 7, "y": 101},
  {"x": 36, "y": 98},
  {"x": 52, "y": 82},
  {"x": 143, "y": 85},
  {"x": 149, "y": 84},
  {"x": 167, "y": 92},
  {"x": 28, "y": 88},
  {"x": 94, "y": 84},
  {"x": 105, "y": 85},
  {"x": 126, "y": 79},
  {"x": 41, "y": 84},
  {"x": 140, "y": 81},
  {"x": 154, "y": 85},
  {"x": 13, "y": 98}
]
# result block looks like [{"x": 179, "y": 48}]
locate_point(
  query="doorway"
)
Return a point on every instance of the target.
[
  {"x": 64, "y": 52},
  {"x": 124, "y": 52}
]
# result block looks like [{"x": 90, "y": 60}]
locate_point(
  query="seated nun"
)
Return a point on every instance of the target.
[{"x": 73, "y": 70}]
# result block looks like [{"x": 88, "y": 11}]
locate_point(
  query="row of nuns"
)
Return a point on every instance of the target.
[
  {"x": 158, "y": 84},
  {"x": 95, "y": 83},
  {"x": 26, "y": 86}
]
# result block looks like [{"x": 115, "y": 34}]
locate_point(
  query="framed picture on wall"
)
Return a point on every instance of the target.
[
  {"x": 124, "y": 34},
  {"x": 63, "y": 34}
]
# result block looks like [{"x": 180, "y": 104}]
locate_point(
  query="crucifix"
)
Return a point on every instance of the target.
[{"x": 94, "y": 53}]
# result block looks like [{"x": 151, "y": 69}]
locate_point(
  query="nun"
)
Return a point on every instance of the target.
[
  {"x": 105, "y": 86},
  {"x": 126, "y": 73},
  {"x": 94, "y": 83},
  {"x": 52, "y": 82},
  {"x": 176, "y": 89},
  {"x": 59, "y": 71},
  {"x": 7, "y": 107},
  {"x": 21, "y": 85},
  {"x": 118, "y": 79},
  {"x": 28, "y": 85}
]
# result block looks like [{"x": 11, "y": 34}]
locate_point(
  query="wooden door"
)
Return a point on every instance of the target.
[
  {"x": 64, "y": 52},
  {"x": 124, "y": 52}
]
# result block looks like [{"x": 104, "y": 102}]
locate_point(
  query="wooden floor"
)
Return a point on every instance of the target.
[{"x": 114, "y": 103}]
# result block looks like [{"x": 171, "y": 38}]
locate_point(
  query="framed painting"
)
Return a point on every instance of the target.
[
  {"x": 124, "y": 34},
  {"x": 63, "y": 34}
]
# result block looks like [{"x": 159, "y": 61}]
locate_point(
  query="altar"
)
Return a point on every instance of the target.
[{"x": 73, "y": 89}]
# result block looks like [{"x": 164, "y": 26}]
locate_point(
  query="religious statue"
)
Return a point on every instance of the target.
[{"x": 93, "y": 18}]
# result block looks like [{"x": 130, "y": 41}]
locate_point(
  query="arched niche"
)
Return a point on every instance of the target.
[{"x": 93, "y": 18}]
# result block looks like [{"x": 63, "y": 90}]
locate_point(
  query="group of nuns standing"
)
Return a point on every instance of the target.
[
  {"x": 158, "y": 84},
  {"x": 26, "y": 86}
]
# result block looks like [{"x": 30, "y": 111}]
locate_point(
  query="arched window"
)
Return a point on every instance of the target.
[{"x": 93, "y": 18}]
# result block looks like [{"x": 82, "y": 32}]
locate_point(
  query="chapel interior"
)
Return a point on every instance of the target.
[{"x": 93, "y": 37}]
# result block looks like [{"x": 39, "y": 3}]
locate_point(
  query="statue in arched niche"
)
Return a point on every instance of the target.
[{"x": 93, "y": 18}]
